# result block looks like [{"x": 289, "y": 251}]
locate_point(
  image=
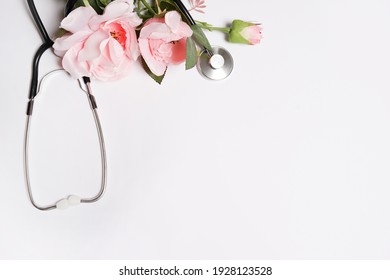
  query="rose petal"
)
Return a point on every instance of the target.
[
  {"x": 179, "y": 52},
  {"x": 184, "y": 30},
  {"x": 173, "y": 19},
  {"x": 72, "y": 65},
  {"x": 252, "y": 34},
  {"x": 67, "y": 41},
  {"x": 155, "y": 30},
  {"x": 115, "y": 51},
  {"x": 78, "y": 19},
  {"x": 117, "y": 8},
  {"x": 132, "y": 49},
  {"x": 91, "y": 48},
  {"x": 157, "y": 67},
  {"x": 113, "y": 11}
]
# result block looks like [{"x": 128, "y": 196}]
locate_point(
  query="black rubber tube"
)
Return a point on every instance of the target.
[
  {"x": 69, "y": 6},
  {"x": 47, "y": 44},
  {"x": 38, "y": 21},
  {"x": 35, "y": 69},
  {"x": 185, "y": 12}
]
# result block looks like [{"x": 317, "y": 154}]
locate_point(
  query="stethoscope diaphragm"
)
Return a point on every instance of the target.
[{"x": 216, "y": 65}]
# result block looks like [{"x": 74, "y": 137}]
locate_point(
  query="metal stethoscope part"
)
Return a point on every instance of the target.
[
  {"x": 72, "y": 199},
  {"x": 34, "y": 91},
  {"x": 216, "y": 64},
  {"x": 216, "y": 67}
]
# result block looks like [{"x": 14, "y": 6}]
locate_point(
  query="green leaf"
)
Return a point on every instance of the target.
[
  {"x": 79, "y": 3},
  {"x": 158, "y": 79},
  {"x": 191, "y": 53},
  {"x": 167, "y": 5},
  {"x": 95, "y": 4},
  {"x": 100, "y": 5},
  {"x": 166, "y": 1},
  {"x": 60, "y": 32},
  {"x": 200, "y": 38},
  {"x": 170, "y": 2},
  {"x": 105, "y": 2}
]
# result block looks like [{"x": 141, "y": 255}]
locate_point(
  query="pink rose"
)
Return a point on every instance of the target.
[
  {"x": 162, "y": 41},
  {"x": 102, "y": 47},
  {"x": 243, "y": 32},
  {"x": 252, "y": 34}
]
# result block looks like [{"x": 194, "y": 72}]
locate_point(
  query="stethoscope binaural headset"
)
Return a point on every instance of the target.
[{"x": 215, "y": 64}]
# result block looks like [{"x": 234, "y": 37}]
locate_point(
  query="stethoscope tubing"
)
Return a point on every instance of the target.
[
  {"x": 190, "y": 20},
  {"x": 103, "y": 157},
  {"x": 42, "y": 30},
  {"x": 47, "y": 44}
]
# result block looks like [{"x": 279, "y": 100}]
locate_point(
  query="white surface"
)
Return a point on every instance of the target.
[{"x": 289, "y": 158}]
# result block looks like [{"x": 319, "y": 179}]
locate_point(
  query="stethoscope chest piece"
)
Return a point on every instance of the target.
[{"x": 216, "y": 67}]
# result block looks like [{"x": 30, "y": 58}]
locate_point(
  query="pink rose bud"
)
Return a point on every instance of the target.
[
  {"x": 243, "y": 32},
  {"x": 162, "y": 42},
  {"x": 102, "y": 47}
]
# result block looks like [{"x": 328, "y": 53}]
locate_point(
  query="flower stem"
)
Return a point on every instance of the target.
[
  {"x": 86, "y": 3},
  {"x": 158, "y": 7},
  {"x": 146, "y": 4},
  {"x": 222, "y": 29},
  {"x": 209, "y": 27}
]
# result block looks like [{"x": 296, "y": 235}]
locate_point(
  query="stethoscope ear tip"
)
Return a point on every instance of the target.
[{"x": 216, "y": 67}]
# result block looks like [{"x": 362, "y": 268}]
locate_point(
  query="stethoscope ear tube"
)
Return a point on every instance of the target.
[
  {"x": 69, "y": 6},
  {"x": 48, "y": 43},
  {"x": 71, "y": 200},
  {"x": 185, "y": 12},
  {"x": 35, "y": 68},
  {"x": 38, "y": 21}
]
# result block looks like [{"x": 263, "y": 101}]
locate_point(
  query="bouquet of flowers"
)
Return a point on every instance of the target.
[{"x": 101, "y": 39}]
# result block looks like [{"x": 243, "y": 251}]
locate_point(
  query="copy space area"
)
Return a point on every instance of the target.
[{"x": 288, "y": 158}]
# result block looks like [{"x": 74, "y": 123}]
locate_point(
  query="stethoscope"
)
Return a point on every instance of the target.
[
  {"x": 215, "y": 64},
  {"x": 34, "y": 90}
]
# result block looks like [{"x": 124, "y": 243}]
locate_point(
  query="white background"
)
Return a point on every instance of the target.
[{"x": 289, "y": 158}]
